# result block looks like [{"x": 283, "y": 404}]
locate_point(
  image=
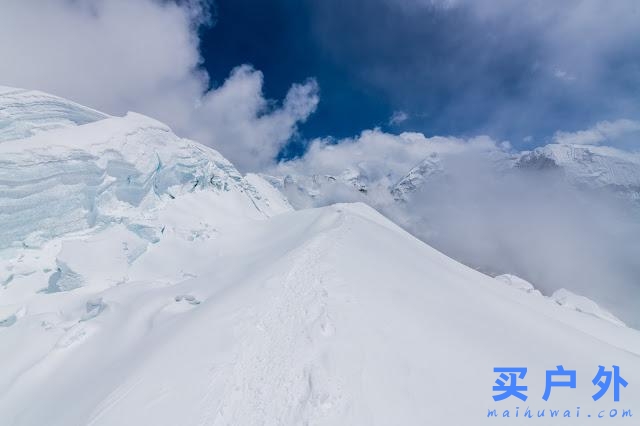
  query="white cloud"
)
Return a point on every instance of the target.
[
  {"x": 382, "y": 157},
  {"x": 563, "y": 75},
  {"x": 142, "y": 55},
  {"x": 604, "y": 131},
  {"x": 237, "y": 118},
  {"x": 374, "y": 158},
  {"x": 398, "y": 117}
]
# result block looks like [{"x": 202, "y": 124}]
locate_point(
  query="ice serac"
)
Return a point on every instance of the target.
[
  {"x": 24, "y": 113},
  {"x": 116, "y": 170},
  {"x": 144, "y": 281}
]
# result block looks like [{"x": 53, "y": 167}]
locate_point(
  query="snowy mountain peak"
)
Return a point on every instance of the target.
[
  {"x": 417, "y": 176},
  {"x": 78, "y": 169},
  {"x": 589, "y": 165}
]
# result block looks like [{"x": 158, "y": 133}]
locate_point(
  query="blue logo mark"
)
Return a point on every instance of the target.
[
  {"x": 604, "y": 385},
  {"x": 571, "y": 383},
  {"x": 507, "y": 383}
]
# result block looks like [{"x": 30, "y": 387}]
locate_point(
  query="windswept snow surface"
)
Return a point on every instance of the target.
[
  {"x": 325, "y": 316},
  {"x": 143, "y": 281}
]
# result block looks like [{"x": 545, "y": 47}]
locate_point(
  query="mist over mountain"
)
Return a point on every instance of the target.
[{"x": 562, "y": 216}]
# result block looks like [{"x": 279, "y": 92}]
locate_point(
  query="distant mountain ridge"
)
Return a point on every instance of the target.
[{"x": 590, "y": 166}]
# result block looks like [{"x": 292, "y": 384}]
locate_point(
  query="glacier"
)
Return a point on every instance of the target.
[
  {"x": 118, "y": 169},
  {"x": 25, "y": 113},
  {"x": 144, "y": 280}
]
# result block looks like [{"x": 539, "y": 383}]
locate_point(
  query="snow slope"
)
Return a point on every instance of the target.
[
  {"x": 326, "y": 316},
  {"x": 169, "y": 290}
]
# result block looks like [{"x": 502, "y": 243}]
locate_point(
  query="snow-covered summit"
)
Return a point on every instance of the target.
[
  {"x": 589, "y": 165},
  {"x": 417, "y": 177}
]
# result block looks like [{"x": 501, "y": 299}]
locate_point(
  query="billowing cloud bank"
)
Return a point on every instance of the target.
[
  {"x": 600, "y": 133},
  {"x": 142, "y": 55},
  {"x": 517, "y": 69}
]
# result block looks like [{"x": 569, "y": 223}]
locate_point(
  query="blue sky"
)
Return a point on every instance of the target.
[
  {"x": 260, "y": 79},
  {"x": 449, "y": 68},
  {"x": 278, "y": 38}
]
